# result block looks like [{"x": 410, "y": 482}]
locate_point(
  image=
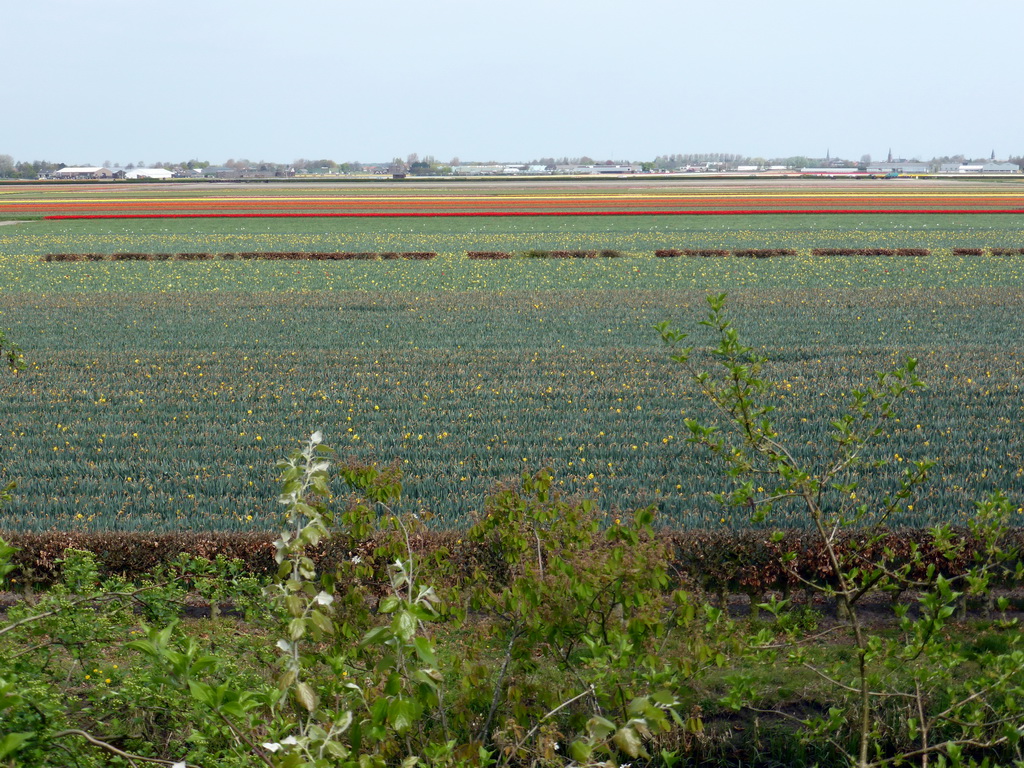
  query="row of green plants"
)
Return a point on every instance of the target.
[
  {"x": 755, "y": 253},
  {"x": 569, "y": 644}
]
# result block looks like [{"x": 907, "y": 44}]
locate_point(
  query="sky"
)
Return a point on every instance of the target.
[{"x": 130, "y": 81}]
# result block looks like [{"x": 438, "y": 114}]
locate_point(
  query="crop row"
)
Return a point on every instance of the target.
[
  {"x": 753, "y": 253},
  {"x": 248, "y": 255}
]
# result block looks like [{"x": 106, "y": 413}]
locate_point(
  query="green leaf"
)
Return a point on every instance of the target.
[
  {"x": 628, "y": 740},
  {"x": 401, "y": 715},
  {"x": 377, "y": 635},
  {"x": 580, "y": 752},
  {"x": 404, "y": 625},
  {"x": 201, "y": 692},
  {"x": 322, "y": 623},
  {"x": 306, "y": 697},
  {"x": 424, "y": 651},
  {"x": 12, "y": 742},
  {"x": 599, "y": 727},
  {"x": 389, "y": 604}
]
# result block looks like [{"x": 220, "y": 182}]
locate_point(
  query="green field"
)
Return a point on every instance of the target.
[{"x": 160, "y": 393}]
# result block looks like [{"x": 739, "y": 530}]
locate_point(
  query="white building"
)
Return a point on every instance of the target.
[
  {"x": 606, "y": 169},
  {"x": 990, "y": 167},
  {"x": 148, "y": 173},
  {"x": 829, "y": 171},
  {"x": 898, "y": 166},
  {"x": 83, "y": 172}
]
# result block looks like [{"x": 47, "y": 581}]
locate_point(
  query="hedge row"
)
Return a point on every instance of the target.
[
  {"x": 266, "y": 255},
  {"x": 667, "y": 253},
  {"x": 872, "y": 251},
  {"x": 720, "y": 562},
  {"x": 750, "y": 253},
  {"x": 542, "y": 254}
]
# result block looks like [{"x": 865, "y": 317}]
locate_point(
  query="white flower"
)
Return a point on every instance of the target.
[
  {"x": 324, "y": 599},
  {"x": 356, "y": 560},
  {"x": 273, "y": 746},
  {"x": 180, "y": 765}
]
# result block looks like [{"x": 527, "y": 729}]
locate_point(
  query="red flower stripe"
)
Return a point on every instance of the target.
[{"x": 505, "y": 214}]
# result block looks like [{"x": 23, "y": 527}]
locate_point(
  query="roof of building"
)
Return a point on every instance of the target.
[{"x": 149, "y": 173}]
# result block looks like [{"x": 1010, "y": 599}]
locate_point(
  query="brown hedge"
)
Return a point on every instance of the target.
[
  {"x": 870, "y": 252},
  {"x": 573, "y": 254},
  {"x": 247, "y": 255},
  {"x": 763, "y": 253},
  {"x": 720, "y": 562}
]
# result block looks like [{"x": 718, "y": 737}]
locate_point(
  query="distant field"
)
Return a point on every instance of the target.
[
  {"x": 533, "y": 197},
  {"x": 161, "y": 393}
]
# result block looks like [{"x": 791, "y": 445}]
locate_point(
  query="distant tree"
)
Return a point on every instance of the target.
[
  {"x": 412, "y": 159},
  {"x": 865, "y": 159},
  {"x": 6, "y": 166},
  {"x": 454, "y": 162}
]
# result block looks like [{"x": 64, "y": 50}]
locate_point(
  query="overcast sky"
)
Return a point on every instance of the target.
[{"x": 86, "y": 81}]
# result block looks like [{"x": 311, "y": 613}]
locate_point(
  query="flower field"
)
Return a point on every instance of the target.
[
  {"x": 411, "y": 200},
  {"x": 160, "y": 392}
]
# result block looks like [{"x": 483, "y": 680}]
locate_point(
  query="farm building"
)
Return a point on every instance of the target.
[
  {"x": 82, "y": 172},
  {"x": 478, "y": 170},
  {"x": 148, "y": 173},
  {"x": 220, "y": 172},
  {"x": 605, "y": 169},
  {"x": 989, "y": 167},
  {"x": 899, "y": 166},
  {"x": 828, "y": 171}
]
